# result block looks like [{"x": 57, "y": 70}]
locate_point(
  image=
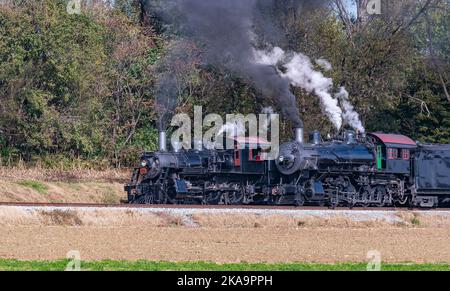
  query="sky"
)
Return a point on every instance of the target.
[{"x": 351, "y": 6}]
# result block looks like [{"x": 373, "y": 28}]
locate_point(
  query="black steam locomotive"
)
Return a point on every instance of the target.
[{"x": 354, "y": 170}]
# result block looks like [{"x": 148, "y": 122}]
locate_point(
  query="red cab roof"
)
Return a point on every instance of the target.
[{"x": 394, "y": 139}]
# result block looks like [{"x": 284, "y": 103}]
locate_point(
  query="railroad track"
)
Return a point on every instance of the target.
[{"x": 219, "y": 207}]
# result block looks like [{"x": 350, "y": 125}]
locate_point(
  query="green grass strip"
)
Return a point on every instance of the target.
[
  {"x": 14, "y": 265},
  {"x": 37, "y": 186}
]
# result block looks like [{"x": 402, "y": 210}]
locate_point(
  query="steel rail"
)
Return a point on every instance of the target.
[{"x": 218, "y": 207}]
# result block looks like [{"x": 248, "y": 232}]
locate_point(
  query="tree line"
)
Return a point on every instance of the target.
[{"x": 81, "y": 86}]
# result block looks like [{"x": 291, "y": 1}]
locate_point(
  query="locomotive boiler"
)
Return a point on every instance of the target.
[{"x": 350, "y": 170}]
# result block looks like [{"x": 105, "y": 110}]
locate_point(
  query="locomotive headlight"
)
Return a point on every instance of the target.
[{"x": 144, "y": 164}]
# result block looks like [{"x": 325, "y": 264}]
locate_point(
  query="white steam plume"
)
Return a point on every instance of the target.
[
  {"x": 301, "y": 73},
  {"x": 349, "y": 114},
  {"x": 324, "y": 64},
  {"x": 299, "y": 69},
  {"x": 232, "y": 129}
]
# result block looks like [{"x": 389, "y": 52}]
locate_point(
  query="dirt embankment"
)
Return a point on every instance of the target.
[
  {"x": 61, "y": 186},
  {"x": 59, "y": 192},
  {"x": 124, "y": 234}
]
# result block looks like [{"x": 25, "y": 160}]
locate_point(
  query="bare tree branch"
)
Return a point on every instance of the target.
[
  {"x": 434, "y": 62},
  {"x": 423, "y": 105},
  {"x": 413, "y": 20},
  {"x": 344, "y": 15},
  {"x": 362, "y": 14}
]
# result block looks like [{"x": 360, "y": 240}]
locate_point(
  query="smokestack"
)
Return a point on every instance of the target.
[
  {"x": 299, "y": 132},
  {"x": 162, "y": 141}
]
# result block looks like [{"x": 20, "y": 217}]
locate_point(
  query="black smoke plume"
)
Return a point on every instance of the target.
[
  {"x": 166, "y": 98},
  {"x": 172, "y": 72},
  {"x": 228, "y": 31}
]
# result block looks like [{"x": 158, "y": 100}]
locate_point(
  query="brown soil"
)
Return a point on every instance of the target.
[
  {"x": 132, "y": 235},
  {"x": 225, "y": 245}
]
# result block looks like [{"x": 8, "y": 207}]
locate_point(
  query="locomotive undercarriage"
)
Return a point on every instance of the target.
[
  {"x": 208, "y": 194},
  {"x": 364, "y": 191},
  {"x": 324, "y": 189},
  {"x": 192, "y": 190},
  {"x": 335, "y": 190}
]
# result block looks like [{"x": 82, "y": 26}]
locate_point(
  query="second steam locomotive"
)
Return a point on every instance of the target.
[{"x": 354, "y": 170}]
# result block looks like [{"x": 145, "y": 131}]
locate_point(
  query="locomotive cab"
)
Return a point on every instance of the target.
[
  {"x": 393, "y": 152},
  {"x": 248, "y": 154}
]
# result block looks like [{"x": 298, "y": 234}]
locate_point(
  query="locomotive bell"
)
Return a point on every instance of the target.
[
  {"x": 350, "y": 137},
  {"x": 315, "y": 137}
]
